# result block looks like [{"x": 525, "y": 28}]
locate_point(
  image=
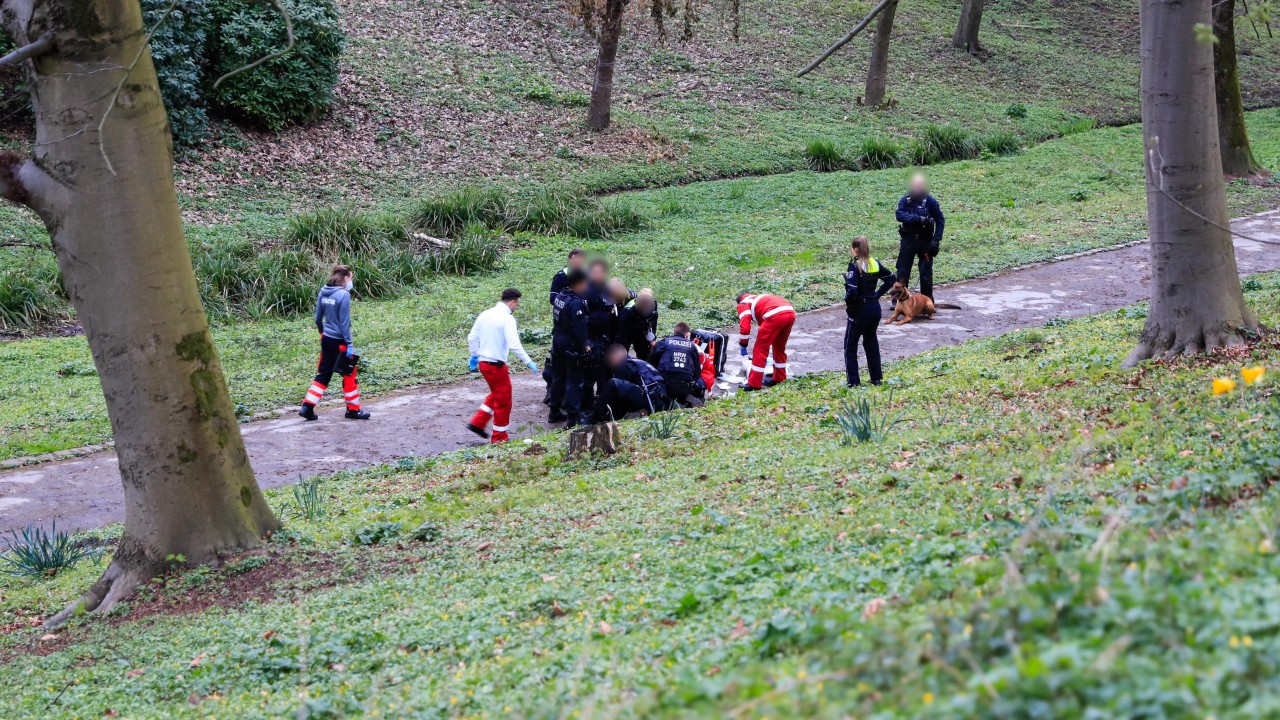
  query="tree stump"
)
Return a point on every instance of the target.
[{"x": 601, "y": 437}]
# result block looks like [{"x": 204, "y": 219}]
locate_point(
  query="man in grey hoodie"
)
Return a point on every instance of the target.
[{"x": 337, "y": 354}]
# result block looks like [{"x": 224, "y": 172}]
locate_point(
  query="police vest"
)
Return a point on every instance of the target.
[{"x": 681, "y": 356}]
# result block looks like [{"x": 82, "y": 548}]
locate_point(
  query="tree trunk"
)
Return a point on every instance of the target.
[
  {"x": 878, "y": 73},
  {"x": 598, "y": 115},
  {"x": 600, "y": 438},
  {"x": 1196, "y": 301},
  {"x": 966, "y": 35},
  {"x": 1233, "y": 138},
  {"x": 102, "y": 181}
]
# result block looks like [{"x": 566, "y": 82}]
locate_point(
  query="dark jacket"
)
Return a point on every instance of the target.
[
  {"x": 643, "y": 375},
  {"x": 636, "y": 330},
  {"x": 333, "y": 313},
  {"x": 602, "y": 315},
  {"x": 920, "y": 220},
  {"x": 558, "y": 283},
  {"x": 569, "y": 322},
  {"x": 860, "y": 288},
  {"x": 677, "y": 360}
]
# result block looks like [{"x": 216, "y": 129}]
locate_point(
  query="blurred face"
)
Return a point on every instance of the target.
[
  {"x": 919, "y": 186},
  {"x": 579, "y": 288},
  {"x": 598, "y": 273},
  {"x": 575, "y": 262},
  {"x": 616, "y": 358}
]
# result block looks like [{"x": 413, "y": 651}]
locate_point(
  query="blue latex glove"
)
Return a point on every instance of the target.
[
  {"x": 474, "y": 364},
  {"x": 742, "y": 350},
  {"x": 351, "y": 351},
  {"x": 533, "y": 368}
]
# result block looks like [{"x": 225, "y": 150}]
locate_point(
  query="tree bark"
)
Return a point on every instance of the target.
[
  {"x": 1196, "y": 301},
  {"x": 601, "y": 110},
  {"x": 101, "y": 178},
  {"x": 600, "y": 438},
  {"x": 1233, "y": 137},
  {"x": 878, "y": 72},
  {"x": 966, "y": 35}
]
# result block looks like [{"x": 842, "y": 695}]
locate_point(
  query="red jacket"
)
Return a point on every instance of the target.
[{"x": 759, "y": 308}]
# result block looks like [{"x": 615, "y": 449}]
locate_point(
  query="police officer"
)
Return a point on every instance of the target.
[
  {"x": 602, "y": 327},
  {"x": 638, "y": 324},
  {"x": 920, "y": 225},
  {"x": 570, "y": 347},
  {"x": 678, "y": 360},
  {"x": 577, "y": 258},
  {"x": 862, "y": 305},
  {"x": 635, "y": 387}
]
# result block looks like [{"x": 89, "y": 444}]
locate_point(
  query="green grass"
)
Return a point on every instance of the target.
[
  {"x": 787, "y": 234},
  {"x": 1045, "y": 533}
]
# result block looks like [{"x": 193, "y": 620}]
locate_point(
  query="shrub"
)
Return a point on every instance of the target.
[
  {"x": 377, "y": 532},
  {"x": 861, "y": 420},
  {"x": 1078, "y": 125},
  {"x": 36, "y": 553},
  {"x": 178, "y": 46},
  {"x": 308, "y": 501},
  {"x": 31, "y": 297},
  {"x": 1017, "y": 111},
  {"x": 945, "y": 143},
  {"x": 878, "y": 153},
  {"x": 823, "y": 156},
  {"x": 605, "y": 219},
  {"x": 446, "y": 215},
  {"x": 1003, "y": 142},
  {"x": 549, "y": 211},
  {"x": 335, "y": 234},
  {"x": 294, "y": 88},
  {"x": 478, "y": 250}
]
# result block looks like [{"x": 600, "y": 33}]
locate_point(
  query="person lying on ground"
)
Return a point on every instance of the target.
[{"x": 636, "y": 386}]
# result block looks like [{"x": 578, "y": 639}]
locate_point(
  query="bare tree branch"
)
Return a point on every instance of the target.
[
  {"x": 843, "y": 41},
  {"x": 26, "y": 52},
  {"x": 288, "y": 30}
]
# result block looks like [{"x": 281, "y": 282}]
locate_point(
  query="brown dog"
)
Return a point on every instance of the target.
[{"x": 909, "y": 306}]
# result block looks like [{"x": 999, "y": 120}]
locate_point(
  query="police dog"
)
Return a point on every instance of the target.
[{"x": 909, "y": 306}]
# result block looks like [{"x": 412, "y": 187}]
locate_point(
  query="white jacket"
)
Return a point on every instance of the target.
[{"x": 494, "y": 336}]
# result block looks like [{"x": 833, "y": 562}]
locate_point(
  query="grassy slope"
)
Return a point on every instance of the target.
[
  {"x": 1047, "y": 532},
  {"x": 784, "y": 233}
]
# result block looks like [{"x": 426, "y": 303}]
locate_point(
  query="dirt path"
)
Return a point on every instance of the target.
[{"x": 85, "y": 492}]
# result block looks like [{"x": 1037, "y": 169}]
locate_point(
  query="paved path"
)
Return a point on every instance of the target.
[{"x": 85, "y": 492}]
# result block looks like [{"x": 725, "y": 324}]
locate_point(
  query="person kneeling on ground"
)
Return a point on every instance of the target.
[
  {"x": 678, "y": 359},
  {"x": 492, "y": 339},
  {"x": 337, "y": 354},
  {"x": 635, "y": 387},
  {"x": 638, "y": 323}
]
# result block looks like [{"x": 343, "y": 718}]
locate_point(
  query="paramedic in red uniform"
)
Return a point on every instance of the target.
[
  {"x": 492, "y": 339},
  {"x": 333, "y": 320},
  {"x": 775, "y": 316}
]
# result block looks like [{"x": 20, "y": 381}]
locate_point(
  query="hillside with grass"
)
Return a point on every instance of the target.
[{"x": 1032, "y": 533}]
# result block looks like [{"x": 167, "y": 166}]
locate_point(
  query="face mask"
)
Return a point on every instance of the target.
[{"x": 348, "y": 286}]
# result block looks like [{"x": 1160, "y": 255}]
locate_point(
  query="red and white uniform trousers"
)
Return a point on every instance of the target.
[
  {"x": 497, "y": 404},
  {"x": 775, "y": 318},
  {"x": 332, "y": 351}
]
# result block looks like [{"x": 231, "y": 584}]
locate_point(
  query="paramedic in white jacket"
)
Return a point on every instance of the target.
[{"x": 493, "y": 337}]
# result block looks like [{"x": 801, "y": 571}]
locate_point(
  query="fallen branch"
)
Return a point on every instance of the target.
[
  {"x": 843, "y": 41},
  {"x": 422, "y": 237},
  {"x": 26, "y": 52}
]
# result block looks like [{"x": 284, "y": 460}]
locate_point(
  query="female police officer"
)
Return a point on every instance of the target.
[{"x": 862, "y": 305}]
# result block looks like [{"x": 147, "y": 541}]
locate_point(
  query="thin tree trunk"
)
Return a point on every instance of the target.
[
  {"x": 1233, "y": 137},
  {"x": 102, "y": 180},
  {"x": 1196, "y": 301},
  {"x": 878, "y": 73},
  {"x": 599, "y": 114},
  {"x": 966, "y": 35}
]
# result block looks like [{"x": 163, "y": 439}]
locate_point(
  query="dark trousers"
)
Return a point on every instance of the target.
[
  {"x": 596, "y": 373},
  {"x": 332, "y": 354},
  {"x": 678, "y": 388},
  {"x": 619, "y": 397},
  {"x": 908, "y": 252},
  {"x": 863, "y": 328},
  {"x": 566, "y": 384}
]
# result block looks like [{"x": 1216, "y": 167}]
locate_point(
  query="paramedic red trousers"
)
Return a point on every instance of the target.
[
  {"x": 332, "y": 350},
  {"x": 497, "y": 404},
  {"x": 772, "y": 336}
]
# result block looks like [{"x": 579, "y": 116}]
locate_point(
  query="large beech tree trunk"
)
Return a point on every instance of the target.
[
  {"x": 1233, "y": 137},
  {"x": 598, "y": 115},
  {"x": 966, "y": 34},
  {"x": 878, "y": 72},
  {"x": 1196, "y": 301},
  {"x": 102, "y": 180}
]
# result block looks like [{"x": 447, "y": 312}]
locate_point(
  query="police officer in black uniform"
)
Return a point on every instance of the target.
[
  {"x": 638, "y": 325},
  {"x": 602, "y": 327},
  {"x": 560, "y": 281},
  {"x": 570, "y": 347},
  {"x": 920, "y": 225},
  {"x": 635, "y": 386},
  {"x": 862, "y": 305},
  {"x": 678, "y": 360}
]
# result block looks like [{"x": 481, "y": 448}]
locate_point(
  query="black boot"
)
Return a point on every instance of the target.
[
  {"x": 308, "y": 412},
  {"x": 557, "y": 416},
  {"x": 478, "y": 430},
  {"x": 357, "y": 415}
]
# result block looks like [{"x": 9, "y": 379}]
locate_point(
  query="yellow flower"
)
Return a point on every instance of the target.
[
  {"x": 1248, "y": 641},
  {"x": 1234, "y": 641},
  {"x": 1252, "y": 375},
  {"x": 1221, "y": 386},
  {"x": 928, "y": 698}
]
